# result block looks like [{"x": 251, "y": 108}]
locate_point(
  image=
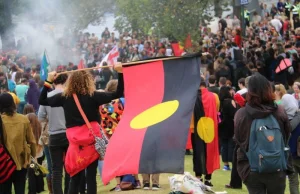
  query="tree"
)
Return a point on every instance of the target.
[
  {"x": 166, "y": 18},
  {"x": 6, "y": 24},
  {"x": 79, "y": 14}
]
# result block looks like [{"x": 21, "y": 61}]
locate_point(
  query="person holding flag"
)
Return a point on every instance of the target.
[{"x": 205, "y": 136}]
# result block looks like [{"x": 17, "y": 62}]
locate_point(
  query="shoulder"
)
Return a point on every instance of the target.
[
  {"x": 16, "y": 117},
  {"x": 54, "y": 92},
  {"x": 241, "y": 113},
  {"x": 215, "y": 95},
  {"x": 280, "y": 114},
  {"x": 21, "y": 117}
]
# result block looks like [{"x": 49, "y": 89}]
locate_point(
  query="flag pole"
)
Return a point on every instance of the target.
[{"x": 123, "y": 64}]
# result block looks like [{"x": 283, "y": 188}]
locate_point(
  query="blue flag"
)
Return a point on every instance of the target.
[{"x": 44, "y": 67}]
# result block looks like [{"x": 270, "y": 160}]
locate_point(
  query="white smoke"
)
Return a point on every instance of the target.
[{"x": 42, "y": 27}]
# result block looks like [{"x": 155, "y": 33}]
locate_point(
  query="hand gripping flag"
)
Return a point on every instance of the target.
[{"x": 152, "y": 134}]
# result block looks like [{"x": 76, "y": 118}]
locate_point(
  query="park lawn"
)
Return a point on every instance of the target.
[{"x": 219, "y": 179}]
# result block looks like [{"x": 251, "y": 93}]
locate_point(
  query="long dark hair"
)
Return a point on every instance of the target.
[
  {"x": 35, "y": 125},
  {"x": 225, "y": 93},
  {"x": 7, "y": 105},
  {"x": 260, "y": 91}
]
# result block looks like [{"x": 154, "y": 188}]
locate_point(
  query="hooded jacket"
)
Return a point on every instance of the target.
[
  {"x": 242, "y": 125},
  {"x": 33, "y": 95}
]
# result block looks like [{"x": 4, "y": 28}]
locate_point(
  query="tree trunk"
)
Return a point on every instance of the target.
[
  {"x": 218, "y": 8},
  {"x": 236, "y": 9},
  {"x": 6, "y": 33}
]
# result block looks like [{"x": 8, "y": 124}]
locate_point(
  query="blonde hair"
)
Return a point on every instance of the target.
[
  {"x": 218, "y": 63},
  {"x": 281, "y": 89},
  {"x": 80, "y": 82},
  {"x": 111, "y": 86}
]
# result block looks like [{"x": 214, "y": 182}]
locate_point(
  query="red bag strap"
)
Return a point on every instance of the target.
[{"x": 81, "y": 111}]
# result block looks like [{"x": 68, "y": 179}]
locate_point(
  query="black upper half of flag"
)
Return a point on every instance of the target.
[{"x": 163, "y": 148}]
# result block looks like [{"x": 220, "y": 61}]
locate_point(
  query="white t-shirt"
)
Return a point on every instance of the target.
[
  {"x": 168, "y": 52},
  {"x": 276, "y": 24},
  {"x": 242, "y": 91}
]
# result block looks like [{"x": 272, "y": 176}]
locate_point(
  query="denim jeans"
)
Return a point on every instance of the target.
[
  {"x": 100, "y": 166},
  {"x": 294, "y": 178},
  {"x": 21, "y": 107},
  {"x": 48, "y": 158},
  {"x": 269, "y": 183},
  {"x": 58, "y": 146},
  {"x": 18, "y": 179}
]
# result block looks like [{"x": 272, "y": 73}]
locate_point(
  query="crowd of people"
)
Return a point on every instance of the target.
[{"x": 253, "y": 78}]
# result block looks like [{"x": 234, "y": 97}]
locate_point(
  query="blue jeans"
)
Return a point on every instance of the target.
[
  {"x": 48, "y": 158},
  {"x": 100, "y": 166},
  {"x": 21, "y": 107}
]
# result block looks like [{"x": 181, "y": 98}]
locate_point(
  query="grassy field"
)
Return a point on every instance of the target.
[{"x": 219, "y": 179}]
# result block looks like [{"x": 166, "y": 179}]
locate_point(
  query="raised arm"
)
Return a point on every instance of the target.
[{"x": 53, "y": 101}]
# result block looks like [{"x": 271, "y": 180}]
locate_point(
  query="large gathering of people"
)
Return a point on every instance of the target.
[{"x": 250, "y": 70}]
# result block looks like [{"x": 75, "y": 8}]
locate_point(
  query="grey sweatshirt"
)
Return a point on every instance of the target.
[{"x": 56, "y": 115}]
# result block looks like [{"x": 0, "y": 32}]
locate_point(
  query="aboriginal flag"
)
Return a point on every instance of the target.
[
  {"x": 205, "y": 137},
  {"x": 152, "y": 134}
]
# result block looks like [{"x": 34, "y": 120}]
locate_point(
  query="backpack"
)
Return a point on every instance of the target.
[
  {"x": 267, "y": 151},
  {"x": 127, "y": 182}
]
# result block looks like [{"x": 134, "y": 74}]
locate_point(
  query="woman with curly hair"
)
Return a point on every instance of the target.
[{"x": 82, "y": 84}]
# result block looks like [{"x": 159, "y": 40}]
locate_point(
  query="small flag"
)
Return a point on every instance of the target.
[
  {"x": 81, "y": 64},
  {"x": 111, "y": 58},
  {"x": 177, "y": 49},
  {"x": 44, "y": 68},
  {"x": 151, "y": 137},
  {"x": 188, "y": 42}
]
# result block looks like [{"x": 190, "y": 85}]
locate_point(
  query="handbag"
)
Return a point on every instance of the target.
[
  {"x": 7, "y": 165},
  {"x": 38, "y": 169},
  {"x": 100, "y": 142}
]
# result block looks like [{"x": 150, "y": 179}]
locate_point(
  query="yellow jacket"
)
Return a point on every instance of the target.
[{"x": 19, "y": 139}]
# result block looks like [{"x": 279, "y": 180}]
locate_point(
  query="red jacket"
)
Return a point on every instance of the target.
[{"x": 238, "y": 40}]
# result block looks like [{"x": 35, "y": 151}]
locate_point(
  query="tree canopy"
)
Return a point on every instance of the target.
[{"x": 169, "y": 18}]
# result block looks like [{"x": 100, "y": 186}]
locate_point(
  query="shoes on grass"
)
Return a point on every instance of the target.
[
  {"x": 146, "y": 186},
  {"x": 137, "y": 185},
  {"x": 118, "y": 188},
  {"x": 208, "y": 183},
  {"x": 226, "y": 168},
  {"x": 155, "y": 187}
]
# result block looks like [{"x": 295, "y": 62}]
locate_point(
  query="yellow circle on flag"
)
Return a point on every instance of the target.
[
  {"x": 154, "y": 115},
  {"x": 206, "y": 129}
]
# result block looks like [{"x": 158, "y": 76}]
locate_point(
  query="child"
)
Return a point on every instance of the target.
[{"x": 36, "y": 181}]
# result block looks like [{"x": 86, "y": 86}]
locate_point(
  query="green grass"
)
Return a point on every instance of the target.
[{"x": 219, "y": 179}]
